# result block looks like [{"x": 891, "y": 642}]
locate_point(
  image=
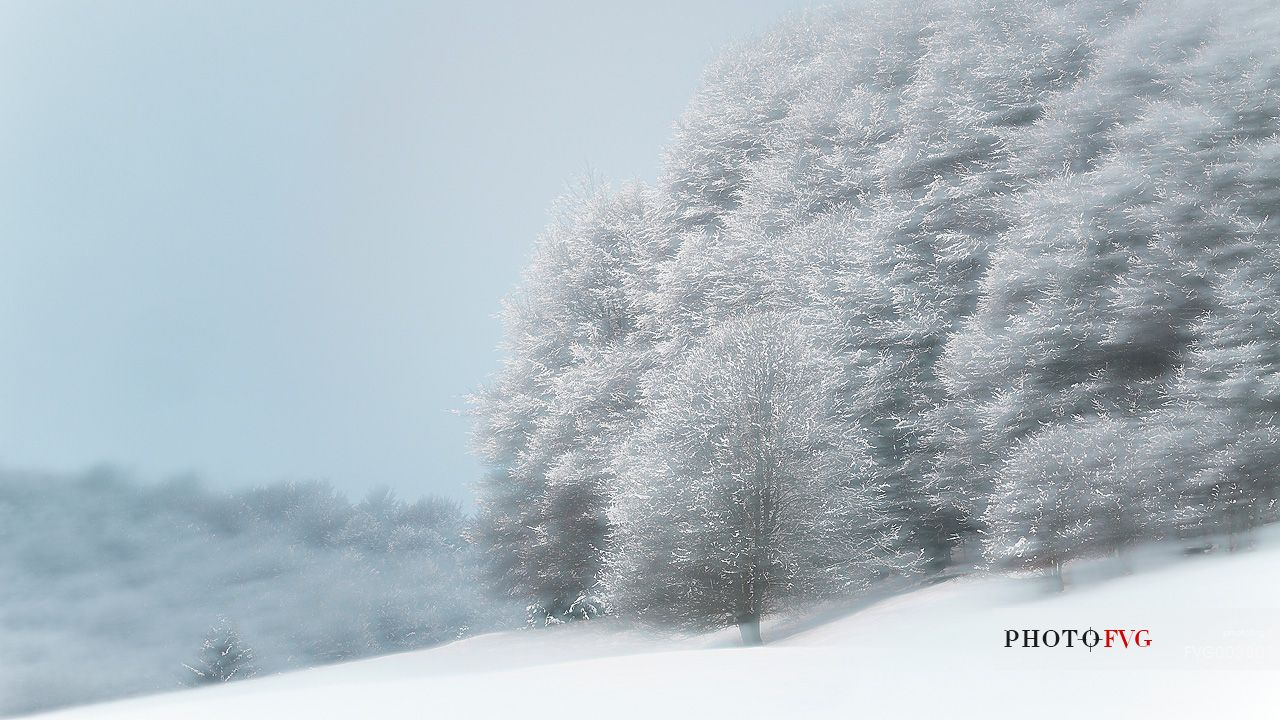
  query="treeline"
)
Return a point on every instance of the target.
[
  {"x": 914, "y": 278},
  {"x": 109, "y": 587}
]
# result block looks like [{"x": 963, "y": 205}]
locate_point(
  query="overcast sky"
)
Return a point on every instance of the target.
[{"x": 261, "y": 240}]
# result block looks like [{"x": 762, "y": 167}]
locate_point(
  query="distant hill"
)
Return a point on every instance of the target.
[{"x": 107, "y": 587}]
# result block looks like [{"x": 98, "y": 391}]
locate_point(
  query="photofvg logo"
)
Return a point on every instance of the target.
[{"x": 1108, "y": 638}]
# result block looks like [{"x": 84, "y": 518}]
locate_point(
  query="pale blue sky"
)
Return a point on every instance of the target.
[{"x": 261, "y": 240}]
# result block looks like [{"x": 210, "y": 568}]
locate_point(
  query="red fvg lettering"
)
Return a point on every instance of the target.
[{"x": 1136, "y": 638}]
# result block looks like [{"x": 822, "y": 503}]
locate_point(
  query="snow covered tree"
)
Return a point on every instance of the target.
[
  {"x": 1231, "y": 384},
  {"x": 1133, "y": 197},
  {"x": 223, "y": 657},
  {"x": 740, "y": 494},
  {"x": 997, "y": 222},
  {"x": 1067, "y": 493},
  {"x": 879, "y": 138},
  {"x": 547, "y": 426}
]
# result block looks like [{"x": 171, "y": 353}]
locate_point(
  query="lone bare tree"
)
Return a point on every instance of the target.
[{"x": 740, "y": 494}]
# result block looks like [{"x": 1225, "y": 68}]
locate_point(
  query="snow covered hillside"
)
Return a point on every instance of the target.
[{"x": 935, "y": 652}]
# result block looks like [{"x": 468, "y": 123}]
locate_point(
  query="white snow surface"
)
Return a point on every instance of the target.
[{"x": 934, "y": 652}]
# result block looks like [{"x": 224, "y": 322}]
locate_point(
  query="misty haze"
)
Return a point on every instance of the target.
[{"x": 884, "y": 359}]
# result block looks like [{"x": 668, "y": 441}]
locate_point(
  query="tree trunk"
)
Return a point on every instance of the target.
[
  {"x": 749, "y": 626},
  {"x": 1057, "y": 583},
  {"x": 748, "y": 607}
]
